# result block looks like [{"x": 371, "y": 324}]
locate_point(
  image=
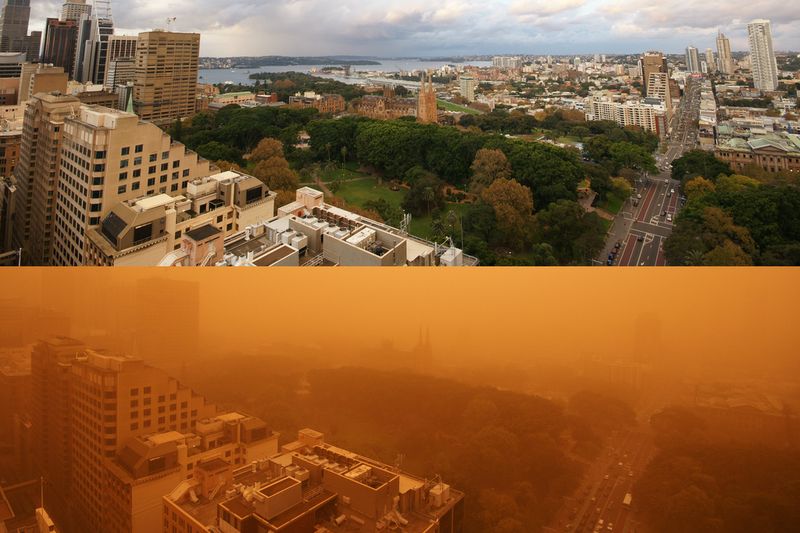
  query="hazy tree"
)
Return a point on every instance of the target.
[
  {"x": 697, "y": 187},
  {"x": 276, "y": 174}
]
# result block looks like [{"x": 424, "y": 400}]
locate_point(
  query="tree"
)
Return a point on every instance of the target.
[
  {"x": 727, "y": 254},
  {"x": 216, "y": 151},
  {"x": 267, "y": 148},
  {"x": 698, "y": 163},
  {"x": 513, "y": 210},
  {"x": 574, "y": 234},
  {"x": 621, "y": 188},
  {"x": 488, "y": 166},
  {"x": 276, "y": 174},
  {"x": 425, "y": 195},
  {"x": 736, "y": 183},
  {"x": 697, "y": 187}
]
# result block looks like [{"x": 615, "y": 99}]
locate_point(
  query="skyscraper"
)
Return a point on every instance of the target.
[
  {"x": 724, "y": 54},
  {"x": 650, "y": 63},
  {"x": 73, "y": 9},
  {"x": 762, "y": 56},
  {"x": 14, "y": 17},
  {"x": 165, "y": 87},
  {"x": 711, "y": 64},
  {"x": 692, "y": 59},
  {"x": 59, "y": 43},
  {"x": 91, "y": 49}
]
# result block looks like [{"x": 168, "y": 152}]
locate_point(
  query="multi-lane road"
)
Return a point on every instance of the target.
[
  {"x": 602, "y": 493},
  {"x": 637, "y": 235}
]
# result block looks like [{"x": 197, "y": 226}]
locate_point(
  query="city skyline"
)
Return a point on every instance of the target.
[{"x": 454, "y": 27}]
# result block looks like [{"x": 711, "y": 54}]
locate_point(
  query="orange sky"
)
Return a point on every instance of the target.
[{"x": 724, "y": 314}]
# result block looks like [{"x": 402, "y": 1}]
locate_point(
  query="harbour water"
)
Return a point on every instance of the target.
[{"x": 242, "y": 76}]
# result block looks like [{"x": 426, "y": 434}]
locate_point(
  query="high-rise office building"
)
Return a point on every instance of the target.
[
  {"x": 59, "y": 43},
  {"x": 724, "y": 54},
  {"x": 51, "y": 419},
  {"x": 165, "y": 88},
  {"x": 73, "y": 9},
  {"x": 711, "y": 64},
  {"x": 91, "y": 48},
  {"x": 110, "y": 156},
  {"x": 651, "y": 62},
  {"x": 762, "y": 56},
  {"x": 120, "y": 63},
  {"x": 14, "y": 18},
  {"x": 692, "y": 59},
  {"x": 41, "y": 78},
  {"x": 37, "y": 174},
  {"x": 658, "y": 87}
]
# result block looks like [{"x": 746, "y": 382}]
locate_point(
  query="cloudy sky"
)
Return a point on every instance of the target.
[{"x": 451, "y": 27}]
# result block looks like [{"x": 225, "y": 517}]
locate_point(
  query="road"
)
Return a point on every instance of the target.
[
  {"x": 605, "y": 485},
  {"x": 646, "y": 219}
]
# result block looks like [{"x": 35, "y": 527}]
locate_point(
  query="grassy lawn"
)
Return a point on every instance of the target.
[
  {"x": 450, "y": 106},
  {"x": 361, "y": 191},
  {"x": 339, "y": 174},
  {"x": 568, "y": 140},
  {"x": 612, "y": 204}
]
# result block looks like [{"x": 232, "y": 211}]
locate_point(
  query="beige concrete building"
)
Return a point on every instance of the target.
[
  {"x": 166, "y": 75},
  {"x": 310, "y": 232},
  {"x": 37, "y": 78},
  {"x": 37, "y": 174},
  {"x": 108, "y": 157},
  {"x": 658, "y": 87},
  {"x": 312, "y": 484},
  {"x": 651, "y": 63},
  {"x": 190, "y": 228}
]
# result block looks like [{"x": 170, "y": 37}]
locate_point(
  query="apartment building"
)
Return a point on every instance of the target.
[
  {"x": 166, "y": 75},
  {"x": 108, "y": 157},
  {"x": 658, "y": 87},
  {"x": 169, "y": 230},
  {"x": 762, "y": 55},
  {"x": 649, "y": 114},
  {"x": 308, "y": 485}
]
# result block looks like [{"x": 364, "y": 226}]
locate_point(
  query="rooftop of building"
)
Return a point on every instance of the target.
[
  {"x": 784, "y": 142},
  {"x": 283, "y": 474}
]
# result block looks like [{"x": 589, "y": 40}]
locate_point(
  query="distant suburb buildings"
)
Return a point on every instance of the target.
[{"x": 124, "y": 447}]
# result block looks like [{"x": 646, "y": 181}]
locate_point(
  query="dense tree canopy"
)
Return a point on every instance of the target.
[{"x": 698, "y": 163}]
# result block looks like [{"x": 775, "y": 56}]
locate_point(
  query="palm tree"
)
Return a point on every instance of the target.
[{"x": 695, "y": 258}]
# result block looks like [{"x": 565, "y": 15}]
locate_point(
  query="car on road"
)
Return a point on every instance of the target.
[
  {"x": 618, "y": 245},
  {"x": 663, "y": 214},
  {"x": 610, "y": 262},
  {"x": 669, "y": 217},
  {"x": 640, "y": 238},
  {"x": 638, "y": 196},
  {"x": 610, "y": 526}
]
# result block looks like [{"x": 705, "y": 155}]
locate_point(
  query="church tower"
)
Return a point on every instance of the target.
[{"x": 426, "y": 101}]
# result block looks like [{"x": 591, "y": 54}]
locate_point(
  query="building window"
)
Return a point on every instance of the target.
[
  {"x": 151, "y": 170},
  {"x": 173, "y": 187},
  {"x": 125, "y": 151},
  {"x": 139, "y": 148},
  {"x": 123, "y": 176},
  {"x": 164, "y": 167},
  {"x": 100, "y": 155},
  {"x": 164, "y": 155},
  {"x": 137, "y": 160},
  {"x": 135, "y": 186},
  {"x": 121, "y": 189},
  {"x": 185, "y": 172},
  {"x": 176, "y": 164},
  {"x": 151, "y": 182},
  {"x": 123, "y": 163},
  {"x": 178, "y": 234},
  {"x": 153, "y": 158},
  {"x": 162, "y": 179},
  {"x": 134, "y": 426}
]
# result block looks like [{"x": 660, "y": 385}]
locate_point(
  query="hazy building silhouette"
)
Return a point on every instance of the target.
[{"x": 175, "y": 336}]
